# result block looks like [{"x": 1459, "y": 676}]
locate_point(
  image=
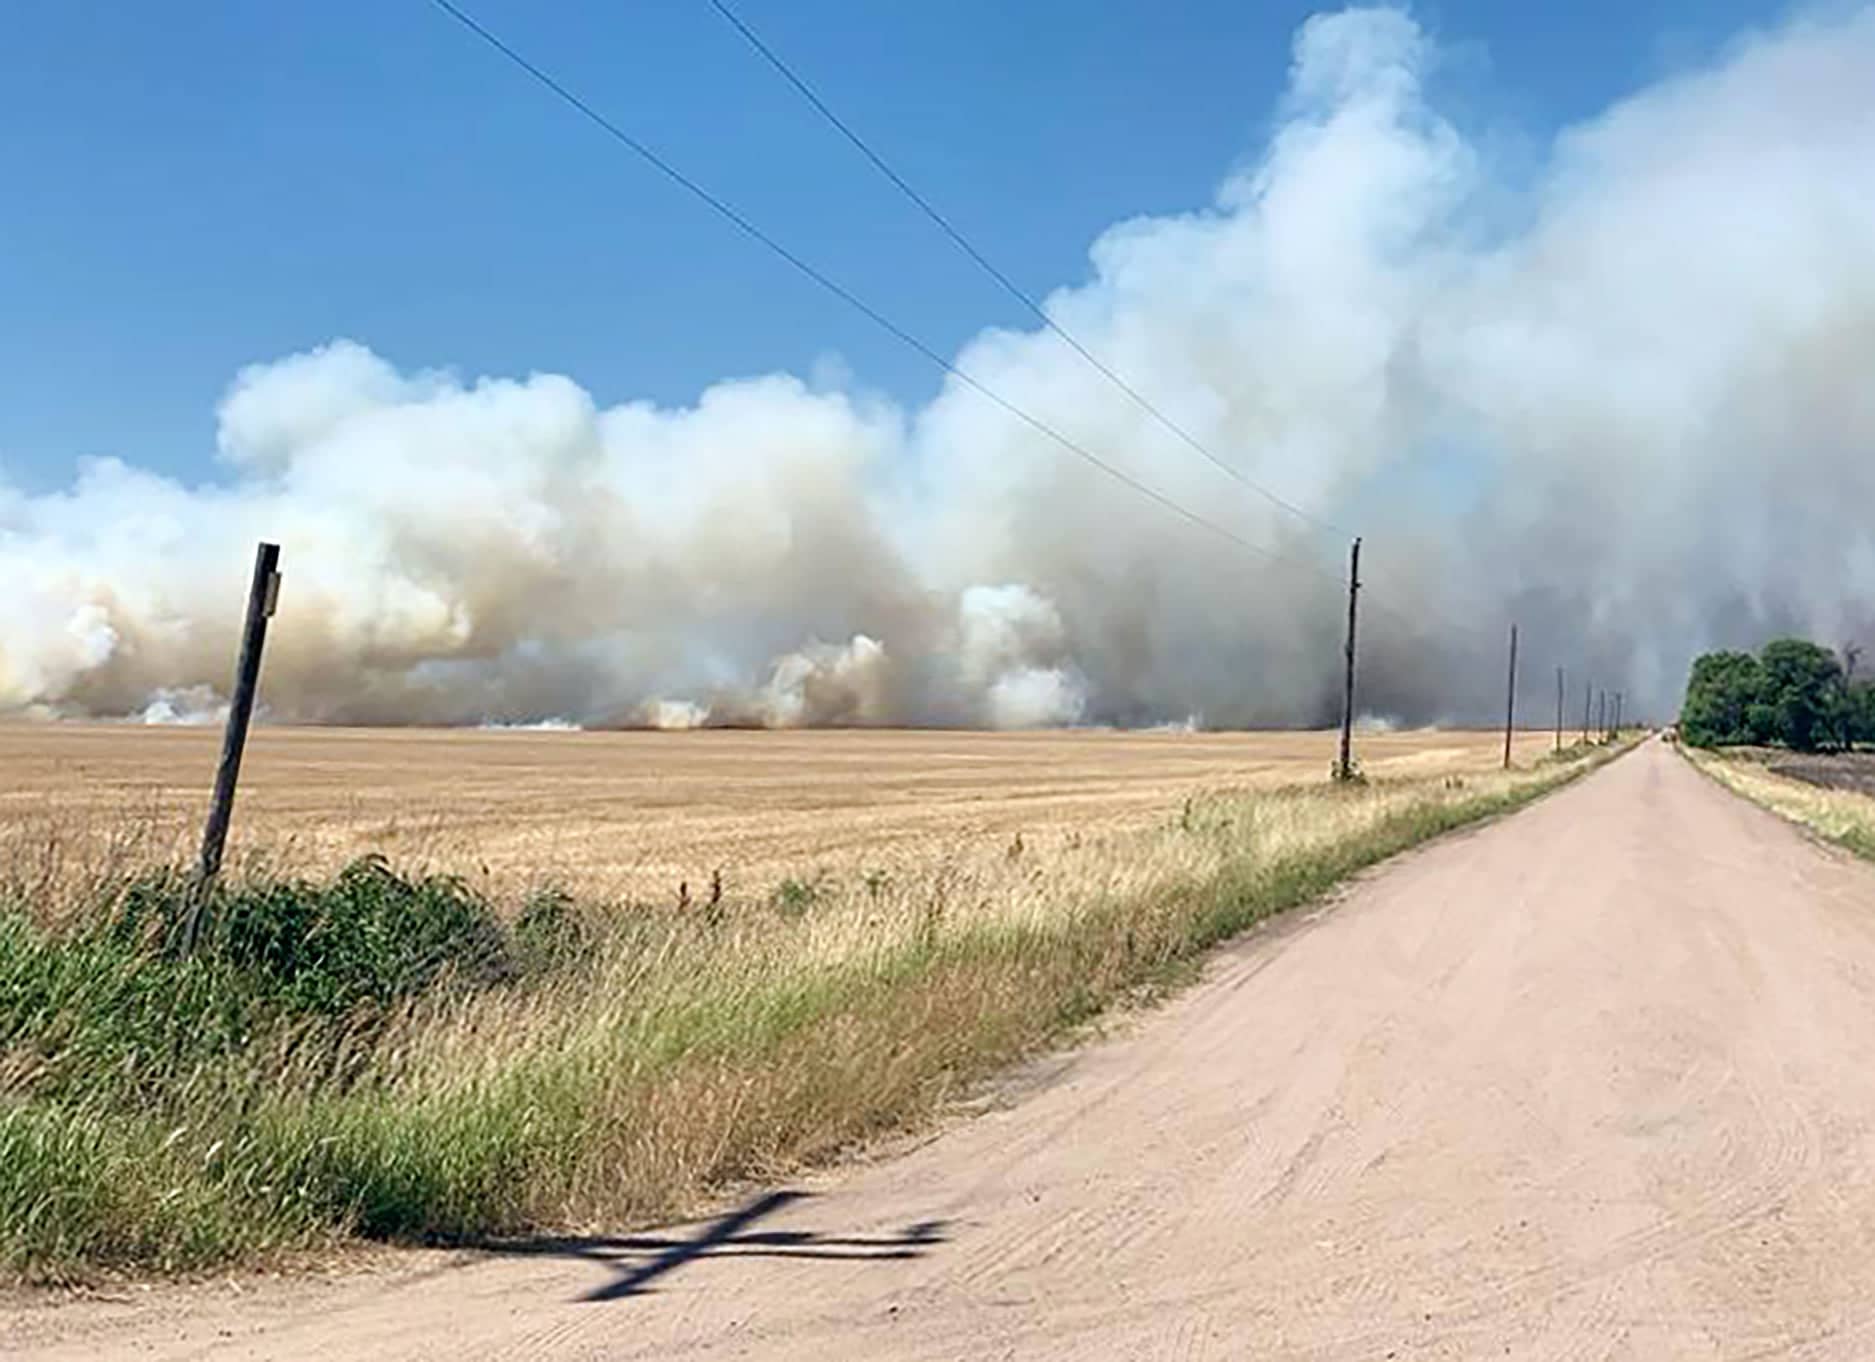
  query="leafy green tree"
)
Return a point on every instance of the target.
[
  {"x": 1803, "y": 683},
  {"x": 1857, "y": 715},
  {"x": 1862, "y": 713},
  {"x": 1720, "y": 694},
  {"x": 1763, "y": 725},
  {"x": 1794, "y": 693}
]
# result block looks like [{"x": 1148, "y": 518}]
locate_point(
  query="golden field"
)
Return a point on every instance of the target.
[
  {"x": 632, "y": 815},
  {"x": 902, "y": 915}
]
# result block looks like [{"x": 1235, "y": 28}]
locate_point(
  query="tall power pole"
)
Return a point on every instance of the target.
[
  {"x": 1344, "y": 769},
  {"x": 1601, "y": 713},
  {"x": 1617, "y": 728},
  {"x": 1588, "y": 695},
  {"x": 1559, "y": 709},
  {"x": 1510, "y": 696}
]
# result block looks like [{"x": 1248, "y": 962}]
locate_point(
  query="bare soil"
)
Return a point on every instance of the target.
[{"x": 1585, "y": 1083}]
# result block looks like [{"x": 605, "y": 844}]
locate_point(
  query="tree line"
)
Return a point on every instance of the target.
[{"x": 1794, "y": 693}]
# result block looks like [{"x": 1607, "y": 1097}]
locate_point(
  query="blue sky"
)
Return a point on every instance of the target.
[{"x": 188, "y": 189}]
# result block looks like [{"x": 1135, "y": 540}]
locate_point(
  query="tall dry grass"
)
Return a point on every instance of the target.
[
  {"x": 1840, "y": 816},
  {"x": 594, "y": 1067}
]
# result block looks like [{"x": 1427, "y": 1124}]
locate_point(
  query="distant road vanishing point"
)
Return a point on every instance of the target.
[{"x": 1596, "y": 1081}]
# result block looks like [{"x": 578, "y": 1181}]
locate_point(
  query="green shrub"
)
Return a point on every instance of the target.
[
  {"x": 550, "y": 933},
  {"x": 794, "y": 897},
  {"x": 115, "y": 1006},
  {"x": 370, "y": 935}
]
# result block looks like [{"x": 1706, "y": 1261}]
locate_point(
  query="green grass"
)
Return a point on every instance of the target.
[{"x": 393, "y": 1058}]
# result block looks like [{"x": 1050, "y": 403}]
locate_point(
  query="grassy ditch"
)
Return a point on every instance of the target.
[
  {"x": 392, "y": 1057},
  {"x": 1844, "y": 816}
]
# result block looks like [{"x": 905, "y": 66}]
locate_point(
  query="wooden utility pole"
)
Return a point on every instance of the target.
[
  {"x": 1851, "y": 655},
  {"x": 1510, "y": 696},
  {"x": 1588, "y": 694},
  {"x": 263, "y": 593},
  {"x": 1617, "y": 728},
  {"x": 1344, "y": 769},
  {"x": 1601, "y": 714},
  {"x": 1559, "y": 687}
]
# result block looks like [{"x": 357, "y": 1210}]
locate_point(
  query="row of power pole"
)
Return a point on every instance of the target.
[
  {"x": 1607, "y": 717},
  {"x": 1607, "y": 722}
]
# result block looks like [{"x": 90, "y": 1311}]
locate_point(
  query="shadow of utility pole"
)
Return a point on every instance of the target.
[{"x": 642, "y": 1259}]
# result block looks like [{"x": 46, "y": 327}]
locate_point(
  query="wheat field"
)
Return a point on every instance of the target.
[
  {"x": 386, "y": 1054},
  {"x": 637, "y": 815}
]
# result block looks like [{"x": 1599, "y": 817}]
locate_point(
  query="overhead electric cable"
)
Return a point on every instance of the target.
[
  {"x": 750, "y": 229},
  {"x": 1016, "y": 291},
  {"x": 1008, "y": 285}
]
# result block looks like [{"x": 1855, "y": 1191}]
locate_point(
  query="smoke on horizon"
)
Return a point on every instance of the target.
[{"x": 1626, "y": 397}]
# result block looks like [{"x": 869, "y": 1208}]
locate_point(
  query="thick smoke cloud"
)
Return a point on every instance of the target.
[{"x": 1626, "y": 397}]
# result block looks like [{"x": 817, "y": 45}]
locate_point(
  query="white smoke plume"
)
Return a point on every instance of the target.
[{"x": 1625, "y": 396}]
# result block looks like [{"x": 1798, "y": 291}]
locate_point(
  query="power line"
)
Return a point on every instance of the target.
[
  {"x": 1009, "y": 286},
  {"x": 750, "y": 229},
  {"x": 964, "y": 244},
  {"x": 757, "y": 234}
]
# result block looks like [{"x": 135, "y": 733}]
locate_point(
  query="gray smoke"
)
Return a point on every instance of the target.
[{"x": 1627, "y": 400}]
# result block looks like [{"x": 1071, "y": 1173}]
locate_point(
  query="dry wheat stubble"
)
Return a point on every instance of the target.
[{"x": 634, "y": 815}]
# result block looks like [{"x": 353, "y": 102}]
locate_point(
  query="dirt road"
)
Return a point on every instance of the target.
[{"x": 1595, "y": 1082}]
